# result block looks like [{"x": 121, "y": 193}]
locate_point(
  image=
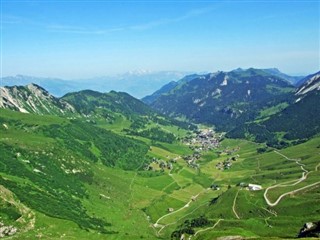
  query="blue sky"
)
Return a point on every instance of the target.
[{"x": 80, "y": 39}]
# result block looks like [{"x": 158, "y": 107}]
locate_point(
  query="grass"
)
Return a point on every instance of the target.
[
  {"x": 157, "y": 183},
  {"x": 124, "y": 199},
  {"x": 29, "y": 119},
  {"x": 272, "y": 110},
  {"x": 274, "y": 193},
  {"x": 117, "y": 125},
  {"x": 160, "y": 206}
]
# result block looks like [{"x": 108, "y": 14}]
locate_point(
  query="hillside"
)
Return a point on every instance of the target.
[
  {"x": 33, "y": 99},
  {"x": 295, "y": 123},
  {"x": 126, "y": 114},
  {"x": 89, "y": 102},
  {"x": 113, "y": 111},
  {"x": 62, "y": 177},
  {"x": 167, "y": 88},
  {"x": 292, "y": 79},
  {"x": 49, "y": 160},
  {"x": 225, "y": 99},
  {"x": 46, "y": 162}
]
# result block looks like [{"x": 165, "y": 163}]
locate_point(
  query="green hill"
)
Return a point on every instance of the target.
[
  {"x": 126, "y": 114},
  {"x": 89, "y": 102}
]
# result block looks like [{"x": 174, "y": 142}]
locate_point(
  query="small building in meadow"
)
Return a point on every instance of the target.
[
  {"x": 170, "y": 209},
  {"x": 254, "y": 187}
]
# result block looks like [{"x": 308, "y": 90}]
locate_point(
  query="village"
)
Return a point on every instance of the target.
[
  {"x": 203, "y": 140},
  {"x": 200, "y": 141}
]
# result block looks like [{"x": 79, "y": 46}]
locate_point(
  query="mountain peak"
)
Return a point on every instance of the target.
[
  {"x": 33, "y": 99},
  {"x": 311, "y": 83},
  {"x": 34, "y": 86},
  {"x": 238, "y": 70}
]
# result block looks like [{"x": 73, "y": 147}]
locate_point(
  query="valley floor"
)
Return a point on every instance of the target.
[{"x": 184, "y": 202}]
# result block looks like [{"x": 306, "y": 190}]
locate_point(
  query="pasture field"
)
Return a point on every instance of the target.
[{"x": 51, "y": 190}]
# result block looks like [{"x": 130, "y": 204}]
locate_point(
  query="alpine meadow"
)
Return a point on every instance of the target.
[{"x": 160, "y": 120}]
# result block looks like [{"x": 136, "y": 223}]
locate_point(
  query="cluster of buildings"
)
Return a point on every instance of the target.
[
  {"x": 161, "y": 164},
  {"x": 230, "y": 151},
  {"x": 200, "y": 141},
  {"x": 191, "y": 160},
  {"x": 203, "y": 140},
  {"x": 226, "y": 164}
]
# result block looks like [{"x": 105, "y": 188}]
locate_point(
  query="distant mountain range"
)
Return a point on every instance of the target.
[
  {"x": 293, "y": 80},
  {"x": 234, "y": 100},
  {"x": 136, "y": 83},
  {"x": 224, "y": 99},
  {"x": 257, "y": 104}
]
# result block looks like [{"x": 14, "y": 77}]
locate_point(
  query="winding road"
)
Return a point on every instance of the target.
[{"x": 304, "y": 176}]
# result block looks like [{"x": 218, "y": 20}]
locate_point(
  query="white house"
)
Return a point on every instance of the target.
[{"x": 254, "y": 187}]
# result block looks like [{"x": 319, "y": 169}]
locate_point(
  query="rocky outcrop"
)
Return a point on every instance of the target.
[
  {"x": 310, "y": 229},
  {"x": 33, "y": 99},
  {"x": 7, "y": 230},
  {"x": 311, "y": 83}
]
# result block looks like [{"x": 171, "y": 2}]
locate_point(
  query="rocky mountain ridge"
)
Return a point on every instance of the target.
[
  {"x": 33, "y": 99},
  {"x": 311, "y": 82}
]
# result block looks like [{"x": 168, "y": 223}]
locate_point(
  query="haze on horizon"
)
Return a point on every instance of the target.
[{"x": 82, "y": 39}]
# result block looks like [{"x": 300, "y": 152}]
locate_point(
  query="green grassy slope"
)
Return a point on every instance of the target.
[{"x": 73, "y": 179}]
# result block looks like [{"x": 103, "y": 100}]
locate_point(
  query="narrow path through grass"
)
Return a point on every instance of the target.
[
  {"x": 234, "y": 205},
  {"x": 206, "y": 229},
  {"x": 304, "y": 176}
]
